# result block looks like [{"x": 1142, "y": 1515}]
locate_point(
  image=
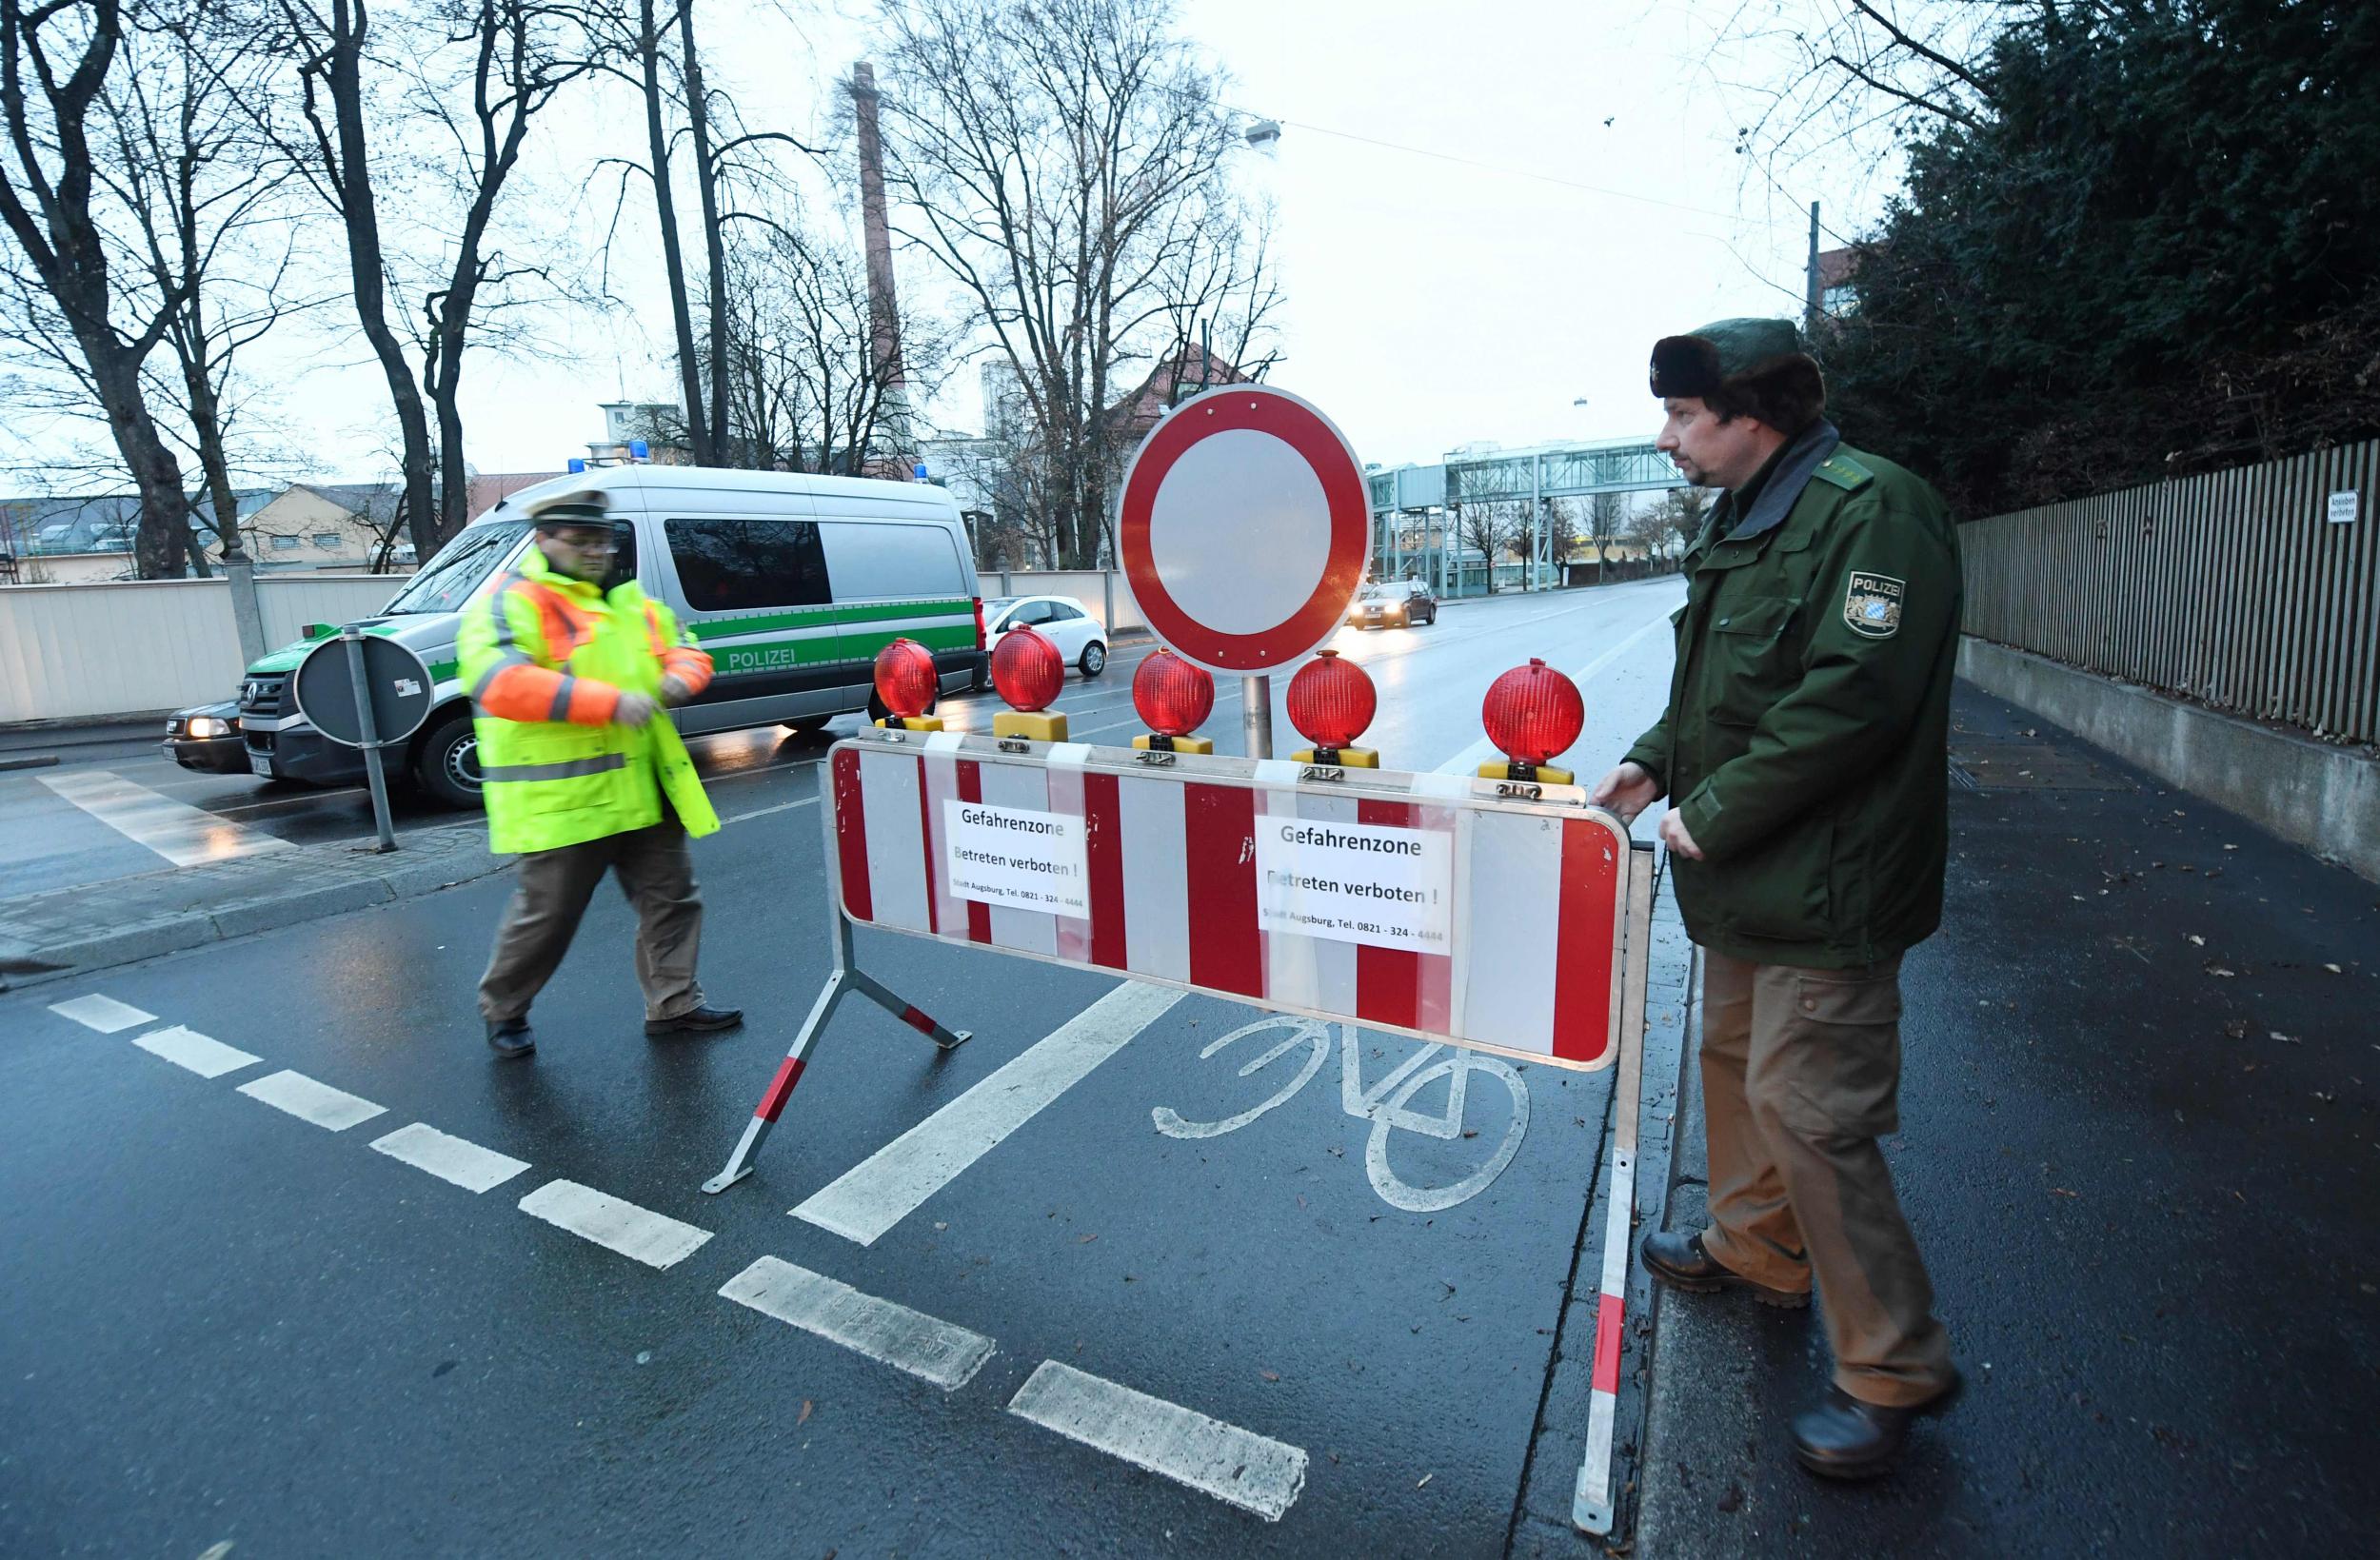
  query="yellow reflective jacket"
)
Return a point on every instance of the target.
[{"x": 546, "y": 659}]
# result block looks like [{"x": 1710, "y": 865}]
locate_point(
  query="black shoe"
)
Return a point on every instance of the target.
[
  {"x": 1679, "y": 1262},
  {"x": 702, "y": 1020},
  {"x": 510, "y": 1037},
  {"x": 1844, "y": 1438}
]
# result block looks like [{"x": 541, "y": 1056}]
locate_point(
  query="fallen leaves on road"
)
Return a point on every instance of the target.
[
  {"x": 1084, "y": 1240},
  {"x": 1425, "y": 1478},
  {"x": 1270, "y": 1375},
  {"x": 804, "y": 1417},
  {"x": 2059, "y": 1191},
  {"x": 2236, "y": 1029},
  {"x": 2219, "y": 971}
]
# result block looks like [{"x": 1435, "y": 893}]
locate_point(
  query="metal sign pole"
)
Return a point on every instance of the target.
[
  {"x": 1255, "y": 714},
  {"x": 370, "y": 733}
]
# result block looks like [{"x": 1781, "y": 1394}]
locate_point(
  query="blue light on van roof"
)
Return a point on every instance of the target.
[
  {"x": 578, "y": 464},
  {"x": 639, "y": 450}
]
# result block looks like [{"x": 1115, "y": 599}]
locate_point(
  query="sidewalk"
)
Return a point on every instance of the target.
[
  {"x": 2138, "y": 1147},
  {"x": 96, "y": 924}
]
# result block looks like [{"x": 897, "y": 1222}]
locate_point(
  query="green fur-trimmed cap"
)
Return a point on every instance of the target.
[{"x": 1705, "y": 360}]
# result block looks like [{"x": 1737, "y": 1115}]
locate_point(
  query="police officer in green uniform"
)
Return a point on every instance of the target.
[{"x": 1803, "y": 756}]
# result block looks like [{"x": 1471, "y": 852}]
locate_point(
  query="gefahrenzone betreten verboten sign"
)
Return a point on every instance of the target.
[
  {"x": 1012, "y": 857},
  {"x": 1355, "y": 882}
]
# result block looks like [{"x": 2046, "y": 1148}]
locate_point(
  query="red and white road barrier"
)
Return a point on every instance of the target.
[
  {"x": 1530, "y": 964},
  {"x": 1499, "y": 916}
]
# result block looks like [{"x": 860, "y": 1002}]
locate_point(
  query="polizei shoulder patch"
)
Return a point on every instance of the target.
[
  {"x": 1844, "y": 471},
  {"x": 1871, "y": 604}
]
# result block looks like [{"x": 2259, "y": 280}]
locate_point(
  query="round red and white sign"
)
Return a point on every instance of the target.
[{"x": 1244, "y": 529}]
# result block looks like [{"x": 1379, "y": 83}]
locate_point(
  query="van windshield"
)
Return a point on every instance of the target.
[{"x": 461, "y": 567}]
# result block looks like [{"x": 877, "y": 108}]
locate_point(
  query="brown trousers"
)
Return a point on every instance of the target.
[
  {"x": 657, "y": 874},
  {"x": 1800, "y": 1077}
]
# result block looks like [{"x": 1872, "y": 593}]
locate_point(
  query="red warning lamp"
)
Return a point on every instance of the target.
[
  {"x": 1532, "y": 712},
  {"x": 1331, "y": 702},
  {"x": 1028, "y": 670},
  {"x": 1174, "y": 698},
  {"x": 906, "y": 686}
]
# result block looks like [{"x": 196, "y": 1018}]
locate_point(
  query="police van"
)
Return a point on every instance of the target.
[{"x": 792, "y": 583}]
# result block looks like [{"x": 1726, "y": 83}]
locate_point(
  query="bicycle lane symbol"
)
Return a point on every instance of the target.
[{"x": 1384, "y": 1104}]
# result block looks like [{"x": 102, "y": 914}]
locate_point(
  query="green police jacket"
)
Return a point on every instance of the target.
[{"x": 1809, "y": 712}]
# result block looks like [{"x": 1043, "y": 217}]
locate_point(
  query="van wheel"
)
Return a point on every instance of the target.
[
  {"x": 1094, "y": 659},
  {"x": 446, "y": 761}
]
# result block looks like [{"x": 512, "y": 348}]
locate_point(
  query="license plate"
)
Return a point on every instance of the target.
[{"x": 257, "y": 764}]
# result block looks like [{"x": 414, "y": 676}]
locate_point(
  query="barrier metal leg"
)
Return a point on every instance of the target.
[
  {"x": 1594, "y": 1503},
  {"x": 875, "y": 991},
  {"x": 848, "y": 978}
]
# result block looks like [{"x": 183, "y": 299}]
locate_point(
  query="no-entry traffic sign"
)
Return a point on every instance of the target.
[{"x": 1244, "y": 529}]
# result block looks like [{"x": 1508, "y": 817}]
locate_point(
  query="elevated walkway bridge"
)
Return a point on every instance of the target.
[{"x": 1417, "y": 510}]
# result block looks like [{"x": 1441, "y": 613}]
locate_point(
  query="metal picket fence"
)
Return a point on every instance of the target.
[{"x": 2235, "y": 588}]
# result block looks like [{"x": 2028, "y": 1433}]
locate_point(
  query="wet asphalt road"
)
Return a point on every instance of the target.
[{"x": 230, "y": 1325}]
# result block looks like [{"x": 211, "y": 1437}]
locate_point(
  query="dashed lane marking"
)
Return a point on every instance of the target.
[
  {"x": 885, "y": 1188},
  {"x": 925, "y": 1347},
  {"x": 1239, "y": 1466},
  {"x": 104, "y": 1014},
  {"x": 450, "y": 1158},
  {"x": 187, "y": 1048},
  {"x": 651, "y": 1238},
  {"x": 333, "y": 1110},
  {"x": 764, "y": 812},
  {"x": 177, "y": 831}
]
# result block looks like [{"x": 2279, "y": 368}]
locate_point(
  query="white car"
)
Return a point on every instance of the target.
[{"x": 1077, "y": 634}]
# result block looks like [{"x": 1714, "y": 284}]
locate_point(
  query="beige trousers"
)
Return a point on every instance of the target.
[
  {"x": 1800, "y": 1077},
  {"x": 656, "y": 872}
]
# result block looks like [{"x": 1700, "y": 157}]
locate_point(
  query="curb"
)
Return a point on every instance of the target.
[
  {"x": 401, "y": 879},
  {"x": 1541, "y": 1516}
]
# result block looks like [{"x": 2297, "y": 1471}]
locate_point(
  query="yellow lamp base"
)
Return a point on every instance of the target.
[
  {"x": 1543, "y": 774},
  {"x": 911, "y": 722},
  {"x": 1181, "y": 744},
  {"x": 1032, "y": 726},
  {"x": 1349, "y": 757}
]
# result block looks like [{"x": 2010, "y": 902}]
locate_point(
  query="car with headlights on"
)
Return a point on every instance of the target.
[
  {"x": 207, "y": 737},
  {"x": 1392, "y": 603}
]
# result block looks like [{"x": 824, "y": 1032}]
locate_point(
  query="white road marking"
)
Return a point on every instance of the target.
[
  {"x": 764, "y": 812},
  {"x": 456, "y": 1159},
  {"x": 208, "y": 1058},
  {"x": 333, "y": 1110},
  {"x": 175, "y": 830},
  {"x": 1469, "y": 760},
  {"x": 1254, "y": 1472},
  {"x": 651, "y": 1238},
  {"x": 927, "y": 1348},
  {"x": 888, "y": 1186},
  {"x": 104, "y": 1014}
]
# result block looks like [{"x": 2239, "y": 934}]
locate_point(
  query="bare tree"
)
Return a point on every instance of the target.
[
  {"x": 1065, "y": 160},
  {"x": 202, "y": 200},
  {"x": 806, "y": 391},
  {"x": 1492, "y": 527},
  {"x": 47, "y": 199},
  {"x": 523, "y": 55},
  {"x": 330, "y": 49}
]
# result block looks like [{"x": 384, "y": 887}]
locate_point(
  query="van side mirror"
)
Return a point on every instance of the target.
[{"x": 319, "y": 630}]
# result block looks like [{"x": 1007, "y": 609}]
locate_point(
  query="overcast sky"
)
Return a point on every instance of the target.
[{"x": 1467, "y": 289}]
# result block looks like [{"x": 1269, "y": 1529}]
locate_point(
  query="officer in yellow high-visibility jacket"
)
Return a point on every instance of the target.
[{"x": 583, "y": 773}]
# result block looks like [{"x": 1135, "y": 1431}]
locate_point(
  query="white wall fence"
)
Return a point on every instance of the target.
[{"x": 88, "y": 652}]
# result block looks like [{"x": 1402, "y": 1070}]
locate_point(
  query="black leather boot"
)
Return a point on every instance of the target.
[
  {"x": 702, "y": 1020},
  {"x": 1844, "y": 1438},
  {"x": 1679, "y": 1262},
  {"x": 510, "y": 1037}
]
